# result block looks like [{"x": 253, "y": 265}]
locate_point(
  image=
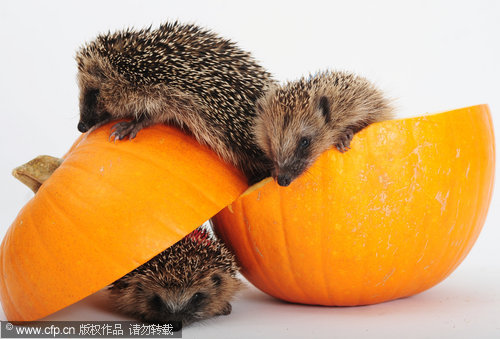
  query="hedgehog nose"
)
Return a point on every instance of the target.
[
  {"x": 284, "y": 180},
  {"x": 82, "y": 127},
  {"x": 176, "y": 326}
]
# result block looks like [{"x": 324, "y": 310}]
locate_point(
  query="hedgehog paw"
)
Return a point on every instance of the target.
[
  {"x": 125, "y": 128},
  {"x": 226, "y": 309},
  {"x": 345, "y": 141}
]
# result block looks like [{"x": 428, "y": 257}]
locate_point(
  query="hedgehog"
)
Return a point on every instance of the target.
[
  {"x": 178, "y": 74},
  {"x": 192, "y": 280},
  {"x": 299, "y": 120}
]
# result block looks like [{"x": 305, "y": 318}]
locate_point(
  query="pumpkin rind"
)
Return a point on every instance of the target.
[
  {"x": 391, "y": 217},
  {"x": 106, "y": 210}
]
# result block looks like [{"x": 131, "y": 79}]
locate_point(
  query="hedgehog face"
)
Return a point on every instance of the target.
[
  {"x": 158, "y": 301},
  {"x": 91, "y": 79},
  {"x": 91, "y": 112},
  {"x": 292, "y": 132},
  {"x": 192, "y": 280}
]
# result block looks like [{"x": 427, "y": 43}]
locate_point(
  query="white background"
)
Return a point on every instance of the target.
[{"x": 431, "y": 56}]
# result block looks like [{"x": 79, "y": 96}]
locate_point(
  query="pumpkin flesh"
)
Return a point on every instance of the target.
[{"x": 107, "y": 209}]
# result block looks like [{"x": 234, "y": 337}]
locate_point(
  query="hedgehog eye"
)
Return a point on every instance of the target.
[
  {"x": 304, "y": 142},
  {"x": 156, "y": 302},
  {"x": 197, "y": 298},
  {"x": 216, "y": 279}
]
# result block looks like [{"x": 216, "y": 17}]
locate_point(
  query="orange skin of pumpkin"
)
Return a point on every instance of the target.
[
  {"x": 107, "y": 209},
  {"x": 349, "y": 237},
  {"x": 391, "y": 217}
]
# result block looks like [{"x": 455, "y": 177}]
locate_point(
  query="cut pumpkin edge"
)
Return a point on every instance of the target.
[
  {"x": 264, "y": 181},
  {"x": 259, "y": 185},
  {"x": 482, "y": 107}
]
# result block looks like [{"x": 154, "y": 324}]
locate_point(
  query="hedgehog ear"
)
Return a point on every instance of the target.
[
  {"x": 216, "y": 279},
  {"x": 324, "y": 107}
]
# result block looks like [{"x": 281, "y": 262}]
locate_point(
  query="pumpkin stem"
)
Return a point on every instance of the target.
[{"x": 36, "y": 171}]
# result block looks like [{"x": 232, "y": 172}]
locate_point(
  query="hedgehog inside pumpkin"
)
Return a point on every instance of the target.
[{"x": 192, "y": 280}]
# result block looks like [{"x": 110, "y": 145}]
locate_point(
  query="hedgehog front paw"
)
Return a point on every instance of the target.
[
  {"x": 226, "y": 309},
  {"x": 125, "y": 128},
  {"x": 344, "y": 144}
]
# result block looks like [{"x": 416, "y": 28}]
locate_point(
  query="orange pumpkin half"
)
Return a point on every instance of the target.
[
  {"x": 390, "y": 218},
  {"x": 107, "y": 209}
]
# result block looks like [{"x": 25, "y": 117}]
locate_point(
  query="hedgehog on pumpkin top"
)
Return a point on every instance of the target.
[{"x": 177, "y": 74}]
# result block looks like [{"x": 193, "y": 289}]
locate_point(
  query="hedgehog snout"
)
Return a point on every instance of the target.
[
  {"x": 176, "y": 320},
  {"x": 284, "y": 179},
  {"x": 82, "y": 127},
  {"x": 287, "y": 173},
  {"x": 176, "y": 326},
  {"x": 282, "y": 174}
]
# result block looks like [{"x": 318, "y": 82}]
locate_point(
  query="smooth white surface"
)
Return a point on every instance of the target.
[
  {"x": 430, "y": 55},
  {"x": 464, "y": 306}
]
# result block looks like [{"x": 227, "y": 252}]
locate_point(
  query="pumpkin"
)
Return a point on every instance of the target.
[
  {"x": 390, "y": 218},
  {"x": 108, "y": 208}
]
